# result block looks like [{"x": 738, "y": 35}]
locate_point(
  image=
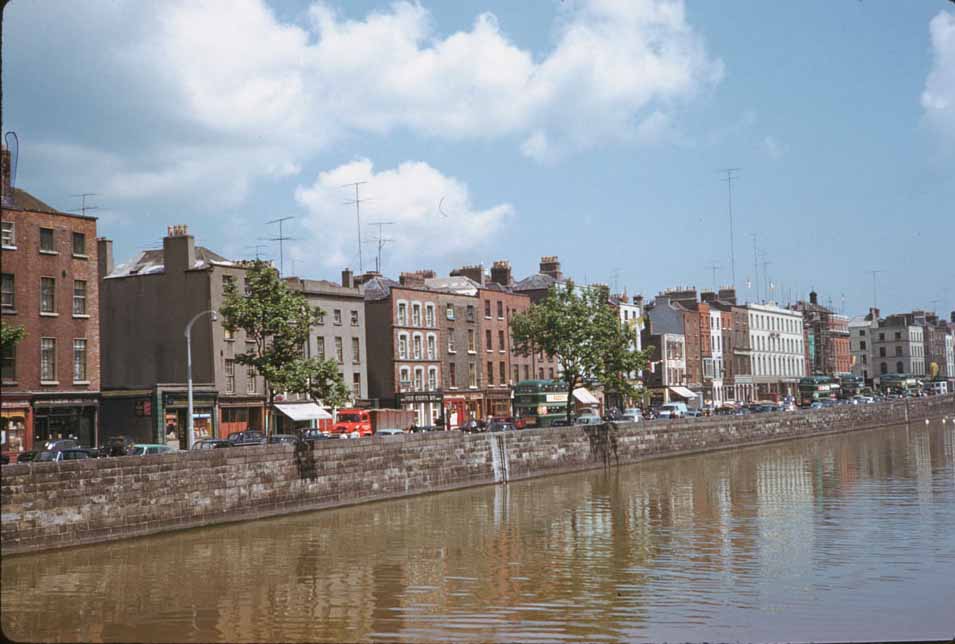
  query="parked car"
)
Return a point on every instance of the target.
[
  {"x": 117, "y": 446},
  {"x": 289, "y": 439},
  {"x": 694, "y": 413},
  {"x": 417, "y": 429},
  {"x": 27, "y": 456},
  {"x": 389, "y": 431},
  {"x": 248, "y": 437},
  {"x": 55, "y": 456},
  {"x": 146, "y": 449},
  {"x": 817, "y": 404},
  {"x": 211, "y": 443},
  {"x": 61, "y": 443},
  {"x": 626, "y": 417},
  {"x": 560, "y": 422},
  {"x": 499, "y": 426},
  {"x": 318, "y": 435},
  {"x": 4, "y": 459},
  {"x": 672, "y": 410},
  {"x": 472, "y": 426},
  {"x": 519, "y": 423},
  {"x": 588, "y": 419}
]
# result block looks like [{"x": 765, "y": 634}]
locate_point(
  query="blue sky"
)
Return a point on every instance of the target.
[{"x": 588, "y": 130}]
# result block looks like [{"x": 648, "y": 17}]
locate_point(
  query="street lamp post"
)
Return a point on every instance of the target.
[{"x": 190, "y": 438}]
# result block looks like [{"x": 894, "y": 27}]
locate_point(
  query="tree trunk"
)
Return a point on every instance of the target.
[
  {"x": 570, "y": 399},
  {"x": 268, "y": 413}
]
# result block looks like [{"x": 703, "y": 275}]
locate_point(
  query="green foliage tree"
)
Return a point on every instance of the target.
[
  {"x": 586, "y": 337},
  {"x": 10, "y": 336},
  {"x": 276, "y": 320}
]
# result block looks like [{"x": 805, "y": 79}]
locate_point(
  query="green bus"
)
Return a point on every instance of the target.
[
  {"x": 814, "y": 388},
  {"x": 540, "y": 402},
  {"x": 849, "y": 384}
]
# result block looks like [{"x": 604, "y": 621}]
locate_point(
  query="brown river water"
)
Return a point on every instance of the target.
[{"x": 846, "y": 537}]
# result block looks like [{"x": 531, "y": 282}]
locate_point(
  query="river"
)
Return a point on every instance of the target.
[{"x": 846, "y": 537}]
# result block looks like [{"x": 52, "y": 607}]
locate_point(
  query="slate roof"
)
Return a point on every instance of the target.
[
  {"x": 535, "y": 282},
  {"x": 458, "y": 284},
  {"x": 152, "y": 261},
  {"x": 378, "y": 288},
  {"x": 22, "y": 200}
]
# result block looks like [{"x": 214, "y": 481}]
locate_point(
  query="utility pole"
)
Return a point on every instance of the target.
[
  {"x": 731, "y": 173},
  {"x": 381, "y": 241},
  {"x": 281, "y": 239},
  {"x": 357, "y": 202},
  {"x": 874, "y": 273}
]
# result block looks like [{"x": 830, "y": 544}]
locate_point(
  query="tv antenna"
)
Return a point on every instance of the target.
[
  {"x": 256, "y": 248},
  {"x": 731, "y": 174},
  {"x": 714, "y": 267},
  {"x": 281, "y": 239},
  {"x": 755, "y": 267},
  {"x": 357, "y": 201},
  {"x": 767, "y": 284},
  {"x": 615, "y": 279},
  {"x": 83, "y": 207},
  {"x": 874, "y": 274},
  {"x": 381, "y": 240}
]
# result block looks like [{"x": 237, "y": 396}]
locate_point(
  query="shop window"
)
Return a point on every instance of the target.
[
  {"x": 8, "y": 235},
  {"x": 79, "y": 360},
  {"x": 48, "y": 359},
  {"x": 8, "y": 291},
  {"x": 79, "y": 245},
  {"x": 355, "y": 351},
  {"x": 46, "y": 241},
  {"x": 47, "y": 295}
]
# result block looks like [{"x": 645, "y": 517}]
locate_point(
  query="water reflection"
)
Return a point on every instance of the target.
[{"x": 844, "y": 537}]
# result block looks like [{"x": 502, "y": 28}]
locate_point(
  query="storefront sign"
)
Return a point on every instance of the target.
[{"x": 419, "y": 397}]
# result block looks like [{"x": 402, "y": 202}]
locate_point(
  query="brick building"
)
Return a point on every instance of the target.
[
  {"x": 536, "y": 287},
  {"x": 51, "y": 378},
  {"x": 145, "y": 307},
  {"x": 827, "y": 338}
]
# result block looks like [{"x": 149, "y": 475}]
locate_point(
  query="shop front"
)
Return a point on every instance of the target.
[
  {"x": 15, "y": 419},
  {"x": 173, "y": 412},
  {"x": 427, "y": 405},
  {"x": 294, "y": 417},
  {"x": 498, "y": 403},
  {"x": 459, "y": 408},
  {"x": 240, "y": 416},
  {"x": 58, "y": 418}
]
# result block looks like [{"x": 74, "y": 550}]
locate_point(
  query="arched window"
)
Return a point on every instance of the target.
[
  {"x": 884, "y": 368},
  {"x": 403, "y": 346}
]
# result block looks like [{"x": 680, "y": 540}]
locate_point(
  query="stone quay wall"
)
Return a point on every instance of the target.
[{"x": 57, "y": 505}]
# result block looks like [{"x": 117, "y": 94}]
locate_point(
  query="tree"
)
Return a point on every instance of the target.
[
  {"x": 584, "y": 335},
  {"x": 10, "y": 336},
  {"x": 277, "y": 320}
]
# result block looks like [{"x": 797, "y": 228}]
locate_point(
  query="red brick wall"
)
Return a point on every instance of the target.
[{"x": 28, "y": 265}]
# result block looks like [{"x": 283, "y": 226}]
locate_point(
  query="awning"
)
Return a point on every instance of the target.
[
  {"x": 304, "y": 411},
  {"x": 683, "y": 392},
  {"x": 585, "y": 397}
]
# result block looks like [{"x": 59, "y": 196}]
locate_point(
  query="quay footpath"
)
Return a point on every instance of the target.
[{"x": 48, "y": 506}]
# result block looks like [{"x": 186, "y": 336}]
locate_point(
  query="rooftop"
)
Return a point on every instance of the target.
[{"x": 152, "y": 261}]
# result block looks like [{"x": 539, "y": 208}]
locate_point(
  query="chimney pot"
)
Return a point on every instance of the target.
[{"x": 348, "y": 278}]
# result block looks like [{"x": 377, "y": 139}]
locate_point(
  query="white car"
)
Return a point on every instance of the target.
[
  {"x": 389, "y": 431},
  {"x": 588, "y": 419}
]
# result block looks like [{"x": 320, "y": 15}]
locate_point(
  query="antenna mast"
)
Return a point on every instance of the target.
[
  {"x": 357, "y": 201},
  {"x": 381, "y": 241},
  {"x": 874, "y": 273},
  {"x": 714, "y": 267},
  {"x": 281, "y": 239},
  {"x": 731, "y": 174}
]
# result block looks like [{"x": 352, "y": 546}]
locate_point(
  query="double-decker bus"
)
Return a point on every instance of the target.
[
  {"x": 540, "y": 402},
  {"x": 813, "y": 388},
  {"x": 849, "y": 384},
  {"x": 899, "y": 383}
]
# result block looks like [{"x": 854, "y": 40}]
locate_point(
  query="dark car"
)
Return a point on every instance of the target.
[
  {"x": 317, "y": 435},
  {"x": 560, "y": 422},
  {"x": 4, "y": 459},
  {"x": 248, "y": 437},
  {"x": 284, "y": 439},
  {"x": 498, "y": 426},
  {"x": 26, "y": 457},
  {"x": 61, "y": 443},
  {"x": 519, "y": 423},
  {"x": 417, "y": 429},
  {"x": 117, "y": 446},
  {"x": 472, "y": 426},
  {"x": 211, "y": 443},
  {"x": 55, "y": 456}
]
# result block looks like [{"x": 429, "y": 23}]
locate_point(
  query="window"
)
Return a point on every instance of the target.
[
  {"x": 354, "y": 317},
  {"x": 8, "y": 364},
  {"x": 500, "y": 310},
  {"x": 355, "y": 351},
  {"x": 320, "y": 347},
  {"x": 319, "y": 316},
  {"x": 517, "y": 375},
  {"x": 404, "y": 378},
  {"x": 500, "y": 341},
  {"x": 898, "y": 350},
  {"x": 452, "y": 375},
  {"x": 487, "y": 340},
  {"x": 79, "y": 244},
  {"x": 884, "y": 368},
  {"x": 487, "y": 308},
  {"x": 402, "y": 313},
  {"x": 502, "y": 373},
  {"x": 8, "y": 291},
  {"x": 898, "y": 335},
  {"x": 470, "y": 313},
  {"x": 527, "y": 372},
  {"x": 432, "y": 379},
  {"x": 881, "y": 352},
  {"x": 229, "y": 376},
  {"x": 899, "y": 367},
  {"x": 862, "y": 345},
  {"x": 250, "y": 383},
  {"x": 449, "y": 311},
  {"x": 339, "y": 350},
  {"x": 429, "y": 315},
  {"x": 403, "y": 346},
  {"x": 418, "y": 379},
  {"x": 490, "y": 372},
  {"x": 46, "y": 241},
  {"x": 881, "y": 337},
  {"x": 416, "y": 314},
  {"x": 79, "y": 360},
  {"x": 356, "y": 385},
  {"x": 227, "y": 333},
  {"x": 337, "y": 316},
  {"x": 47, "y": 295},
  {"x": 79, "y": 297},
  {"x": 431, "y": 347},
  {"x": 472, "y": 375},
  {"x": 865, "y": 358},
  {"x": 540, "y": 373},
  {"x": 451, "y": 348},
  {"x": 8, "y": 235},
  {"x": 471, "y": 341},
  {"x": 48, "y": 359},
  {"x": 550, "y": 373},
  {"x": 861, "y": 333}
]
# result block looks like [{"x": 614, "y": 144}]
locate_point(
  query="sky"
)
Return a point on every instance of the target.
[{"x": 594, "y": 130}]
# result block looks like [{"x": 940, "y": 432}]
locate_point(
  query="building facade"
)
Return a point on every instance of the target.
[
  {"x": 146, "y": 305},
  {"x": 828, "y": 338},
  {"x": 51, "y": 378},
  {"x": 778, "y": 350}
]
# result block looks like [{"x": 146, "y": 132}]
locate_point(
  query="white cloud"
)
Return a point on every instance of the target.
[
  {"x": 220, "y": 92},
  {"x": 774, "y": 148},
  {"x": 433, "y": 214},
  {"x": 938, "y": 98}
]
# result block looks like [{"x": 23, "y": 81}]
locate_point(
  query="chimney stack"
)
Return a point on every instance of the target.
[
  {"x": 813, "y": 297},
  {"x": 178, "y": 249},
  {"x": 348, "y": 279},
  {"x": 474, "y": 272},
  {"x": 104, "y": 252},
  {"x": 415, "y": 279},
  {"x": 501, "y": 272},
  {"x": 727, "y": 295},
  {"x": 7, "y": 188},
  {"x": 550, "y": 265}
]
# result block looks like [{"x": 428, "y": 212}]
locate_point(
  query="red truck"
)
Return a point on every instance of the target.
[{"x": 368, "y": 421}]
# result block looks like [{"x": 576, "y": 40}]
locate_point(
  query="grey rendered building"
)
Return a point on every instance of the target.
[{"x": 341, "y": 334}]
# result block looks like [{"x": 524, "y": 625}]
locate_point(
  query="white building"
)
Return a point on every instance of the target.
[
  {"x": 778, "y": 349},
  {"x": 713, "y": 367}
]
